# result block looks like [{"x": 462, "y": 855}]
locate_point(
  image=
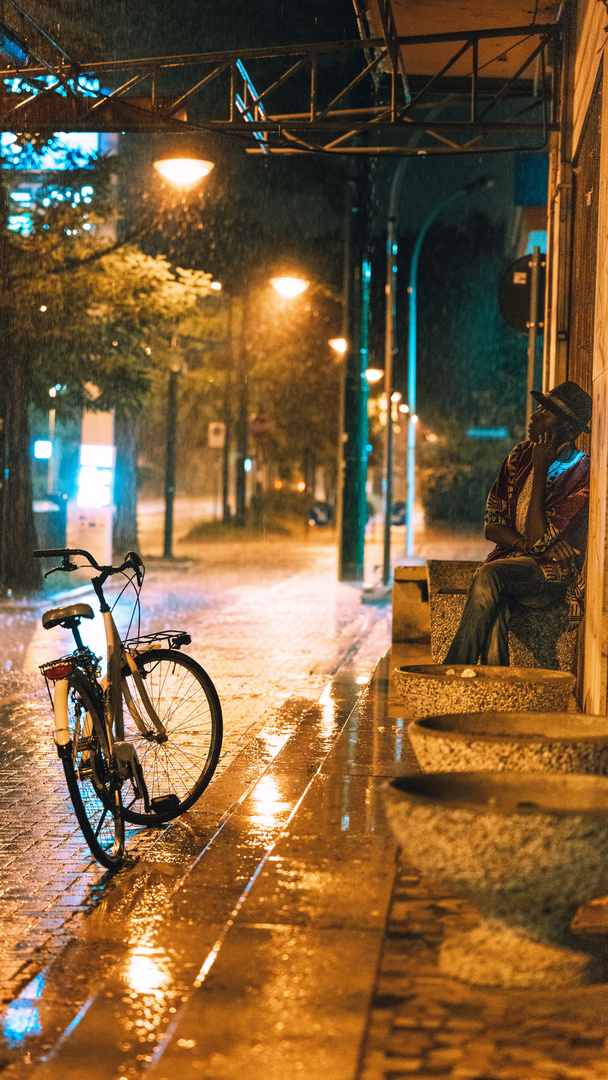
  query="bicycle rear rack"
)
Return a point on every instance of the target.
[{"x": 174, "y": 638}]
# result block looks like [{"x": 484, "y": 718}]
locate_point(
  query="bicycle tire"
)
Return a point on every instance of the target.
[
  {"x": 176, "y": 771},
  {"x": 93, "y": 784}
]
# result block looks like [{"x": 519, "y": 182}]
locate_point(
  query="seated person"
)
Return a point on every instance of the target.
[{"x": 537, "y": 515}]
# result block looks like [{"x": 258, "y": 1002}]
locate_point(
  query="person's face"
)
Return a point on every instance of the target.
[{"x": 544, "y": 421}]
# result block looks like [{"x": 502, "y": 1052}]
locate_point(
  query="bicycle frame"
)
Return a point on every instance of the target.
[
  {"x": 118, "y": 657},
  {"x": 91, "y": 722}
]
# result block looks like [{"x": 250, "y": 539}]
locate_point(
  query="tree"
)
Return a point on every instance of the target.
[{"x": 80, "y": 315}]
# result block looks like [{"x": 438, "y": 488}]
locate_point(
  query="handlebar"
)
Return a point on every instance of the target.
[{"x": 132, "y": 561}]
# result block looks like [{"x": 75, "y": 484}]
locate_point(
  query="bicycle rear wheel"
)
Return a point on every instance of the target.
[
  {"x": 178, "y": 765},
  {"x": 92, "y": 778}
]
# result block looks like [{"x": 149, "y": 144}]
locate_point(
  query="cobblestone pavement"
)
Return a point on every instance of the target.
[
  {"x": 425, "y": 1026},
  {"x": 269, "y": 622}
]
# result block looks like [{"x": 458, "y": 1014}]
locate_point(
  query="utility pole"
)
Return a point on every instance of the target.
[
  {"x": 357, "y": 279},
  {"x": 534, "y": 265},
  {"x": 242, "y": 415},
  {"x": 228, "y": 392},
  {"x": 4, "y": 348},
  {"x": 170, "y": 461}
]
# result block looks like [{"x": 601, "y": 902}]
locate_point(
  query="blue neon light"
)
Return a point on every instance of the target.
[
  {"x": 537, "y": 238},
  {"x": 20, "y": 223},
  {"x": 258, "y": 135},
  {"x": 67, "y": 150},
  {"x": 86, "y": 87},
  {"x": 487, "y": 433},
  {"x": 43, "y": 449}
]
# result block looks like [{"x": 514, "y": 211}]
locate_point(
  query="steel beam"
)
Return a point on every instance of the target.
[{"x": 493, "y": 111}]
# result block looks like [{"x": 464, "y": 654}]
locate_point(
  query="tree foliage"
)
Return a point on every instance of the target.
[{"x": 80, "y": 316}]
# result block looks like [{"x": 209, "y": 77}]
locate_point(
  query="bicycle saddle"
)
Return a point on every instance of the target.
[{"x": 62, "y": 615}]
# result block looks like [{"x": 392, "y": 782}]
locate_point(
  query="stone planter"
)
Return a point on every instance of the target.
[
  {"x": 528, "y": 850},
  {"x": 428, "y": 689},
  {"x": 528, "y": 742}
]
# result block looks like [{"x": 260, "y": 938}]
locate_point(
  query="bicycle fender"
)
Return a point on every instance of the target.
[{"x": 60, "y": 710}]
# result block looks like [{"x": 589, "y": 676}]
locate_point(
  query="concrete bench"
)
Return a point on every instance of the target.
[
  {"x": 537, "y": 637},
  {"x": 411, "y": 618}
]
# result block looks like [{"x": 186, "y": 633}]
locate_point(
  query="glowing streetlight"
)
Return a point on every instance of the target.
[
  {"x": 338, "y": 344},
  {"x": 374, "y": 374},
  {"x": 216, "y": 286},
  {"x": 184, "y": 172},
  {"x": 289, "y": 286}
]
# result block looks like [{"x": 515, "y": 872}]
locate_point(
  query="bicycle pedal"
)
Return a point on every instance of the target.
[{"x": 165, "y": 804}]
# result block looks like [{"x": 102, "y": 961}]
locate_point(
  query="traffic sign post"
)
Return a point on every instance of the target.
[
  {"x": 521, "y": 297},
  {"x": 515, "y": 293},
  {"x": 259, "y": 426},
  {"x": 216, "y": 435}
]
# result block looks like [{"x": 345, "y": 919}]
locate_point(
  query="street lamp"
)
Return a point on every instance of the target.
[
  {"x": 183, "y": 173},
  {"x": 338, "y": 344},
  {"x": 481, "y": 182},
  {"x": 289, "y": 287}
]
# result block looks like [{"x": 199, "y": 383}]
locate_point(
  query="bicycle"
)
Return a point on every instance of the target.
[{"x": 140, "y": 744}]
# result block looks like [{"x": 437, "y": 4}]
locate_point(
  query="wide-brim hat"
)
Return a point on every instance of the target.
[{"x": 569, "y": 401}]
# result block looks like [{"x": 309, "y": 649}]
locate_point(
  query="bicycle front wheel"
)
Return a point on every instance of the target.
[
  {"x": 92, "y": 778},
  {"x": 177, "y": 764}
]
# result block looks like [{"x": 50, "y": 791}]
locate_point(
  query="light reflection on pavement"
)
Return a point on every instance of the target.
[{"x": 270, "y": 623}]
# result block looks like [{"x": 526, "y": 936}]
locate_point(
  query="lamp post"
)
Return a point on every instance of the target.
[
  {"x": 356, "y": 293},
  {"x": 183, "y": 173},
  {"x": 170, "y": 461},
  {"x": 288, "y": 287},
  {"x": 389, "y": 353},
  {"x": 481, "y": 182}
]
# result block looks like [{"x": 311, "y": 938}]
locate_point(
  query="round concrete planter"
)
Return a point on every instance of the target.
[
  {"x": 528, "y": 742},
  {"x": 528, "y": 849},
  {"x": 427, "y": 689}
]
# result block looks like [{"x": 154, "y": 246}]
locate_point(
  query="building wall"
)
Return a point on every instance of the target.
[
  {"x": 596, "y": 622},
  {"x": 577, "y": 305}
]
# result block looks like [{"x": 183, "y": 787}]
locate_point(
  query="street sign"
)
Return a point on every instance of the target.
[
  {"x": 514, "y": 293},
  {"x": 216, "y": 435},
  {"x": 320, "y": 513},
  {"x": 259, "y": 426}
]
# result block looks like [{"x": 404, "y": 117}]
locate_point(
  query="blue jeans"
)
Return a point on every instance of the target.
[{"x": 483, "y": 633}]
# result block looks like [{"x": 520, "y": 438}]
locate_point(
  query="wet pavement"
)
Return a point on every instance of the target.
[
  {"x": 273, "y": 931},
  {"x": 275, "y": 630}
]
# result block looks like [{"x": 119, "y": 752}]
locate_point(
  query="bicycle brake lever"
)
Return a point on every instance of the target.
[{"x": 66, "y": 565}]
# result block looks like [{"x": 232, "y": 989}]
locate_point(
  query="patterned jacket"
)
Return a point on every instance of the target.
[{"x": 567, "y": 512}]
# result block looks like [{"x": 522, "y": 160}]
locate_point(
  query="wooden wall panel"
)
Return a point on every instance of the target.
[
  {"x": 583, "y": 270},
  {"x": 596, "y": 614},
  {"x": 596, "y": 618},
  {"x": 589, "y": 51}
]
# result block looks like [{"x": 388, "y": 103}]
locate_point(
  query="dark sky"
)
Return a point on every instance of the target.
[{"x": 149, "y": 27}]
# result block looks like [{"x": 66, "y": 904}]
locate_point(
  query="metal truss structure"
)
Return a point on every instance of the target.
[{"x": 349, "y": 97}]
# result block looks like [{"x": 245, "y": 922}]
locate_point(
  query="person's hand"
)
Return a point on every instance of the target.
[
  {"x": 561, "y": 552},
  {"x": 545, "y": 449}
]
